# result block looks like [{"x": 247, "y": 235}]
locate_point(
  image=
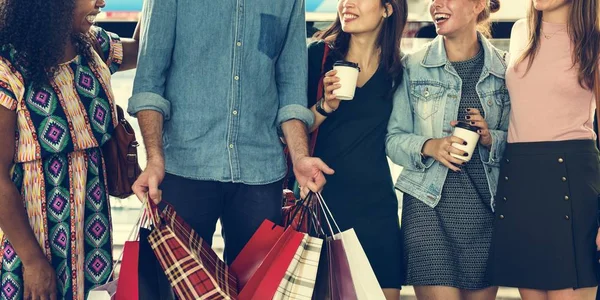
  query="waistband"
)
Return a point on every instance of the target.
[{"x": 571, "y": 146}]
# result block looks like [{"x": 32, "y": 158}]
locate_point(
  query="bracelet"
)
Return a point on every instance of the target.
[{"x": 321, "y": 110}]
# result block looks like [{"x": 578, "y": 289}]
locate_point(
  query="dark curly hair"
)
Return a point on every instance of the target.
[{"x": 38, "y": 31}]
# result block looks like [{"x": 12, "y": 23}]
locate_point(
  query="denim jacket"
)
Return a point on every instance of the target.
[
  {"x": 424, "y": 105},
  {"x": 224, "y": 74}
]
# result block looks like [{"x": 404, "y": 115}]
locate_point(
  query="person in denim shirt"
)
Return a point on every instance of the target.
[
  {"x": 220, "y": 81},
  {"x": 447, "y": 215}
]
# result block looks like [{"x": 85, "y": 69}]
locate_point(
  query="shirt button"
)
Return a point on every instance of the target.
[
  {"x": 561, "y": 160},
  {"x": 231, "y": 146},
  {"x": 236, "y": 77},
  {"x": 507, "y": 160},
  {"x": 566, "y": 198},
  {"x": 235, "y": 112},
  {"x": 504, "y": 198},
  {"x": 564, "y": 179},
  {"x": 490, "y": 102},
  {"x": 567, "y": 217},
  {"x": 501, "y": 217},
  {"x": 506, "y": 178},
  {"x": 239, "y": 44}
]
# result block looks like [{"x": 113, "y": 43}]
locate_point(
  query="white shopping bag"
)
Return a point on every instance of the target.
[
  {"x": 104, "y": 292},
  {"x": 365, "y": 282}
]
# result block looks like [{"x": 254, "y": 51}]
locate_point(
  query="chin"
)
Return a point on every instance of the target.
[{"x": 84, "y": 28}]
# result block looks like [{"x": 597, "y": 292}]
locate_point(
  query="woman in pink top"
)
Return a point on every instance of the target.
[{"x": 545, "y": 232}]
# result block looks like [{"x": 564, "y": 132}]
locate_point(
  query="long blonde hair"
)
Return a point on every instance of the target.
[{"x": 584, "y": 33}]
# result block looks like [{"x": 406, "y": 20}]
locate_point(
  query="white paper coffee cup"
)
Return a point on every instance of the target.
[
  {"x": 348, "y": 74},
  {"x": 469, "y": 134}
]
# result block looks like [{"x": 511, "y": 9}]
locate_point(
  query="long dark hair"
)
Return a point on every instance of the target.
[
  {"x": 39, "y": 32},
  {"x": 389, "y": 40},
  {"x": 582, "y": 27}
]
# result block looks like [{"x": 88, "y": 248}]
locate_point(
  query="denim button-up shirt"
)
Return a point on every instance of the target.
[
  {"x": 425, "y": 103},
  {"x": 224, "y": 74}
]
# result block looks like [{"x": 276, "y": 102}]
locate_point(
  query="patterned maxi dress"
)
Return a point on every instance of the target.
[{"x": 59, "y": 168}]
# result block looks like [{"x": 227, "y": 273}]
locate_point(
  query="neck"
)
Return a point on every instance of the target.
[
  {"x": 70, "y": 51},
  {"x": 462, "y": 47},
  {"x": 363, "y": 50},
  {"x": 559, "y": 15}
]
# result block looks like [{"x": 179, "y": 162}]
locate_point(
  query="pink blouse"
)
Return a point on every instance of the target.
[{"x": 548, "y": 104}]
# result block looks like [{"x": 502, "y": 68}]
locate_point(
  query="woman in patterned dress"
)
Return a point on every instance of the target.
[{"x": 56, "y": 110}]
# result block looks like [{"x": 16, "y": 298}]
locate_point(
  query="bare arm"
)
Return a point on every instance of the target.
[
  {"x": 308, "y": 170},
  {"x": 130, "y": 50},
  {"x": 296, "y": 138},
  {"x": 13, "y": 218},
  {"x": 151, "y": 125},
  {"x": 319, "y": 118}
]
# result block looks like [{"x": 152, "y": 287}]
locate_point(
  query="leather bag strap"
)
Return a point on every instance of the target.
[{"x": 597, "y": 96}]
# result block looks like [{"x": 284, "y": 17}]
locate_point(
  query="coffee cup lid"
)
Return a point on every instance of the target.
[
  {"x": 466, "y": 126},
  {"x": 344, "y": 63}
]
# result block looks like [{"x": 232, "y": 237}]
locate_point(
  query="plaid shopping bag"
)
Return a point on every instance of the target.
[
  {"x": 299, "y": 280},
  {"x": 192, "y": 267}
]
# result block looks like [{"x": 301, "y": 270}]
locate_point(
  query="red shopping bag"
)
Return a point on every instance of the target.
[
  {"x": 264, "y": 282},
  {"x": 255, "y": 251},
  {"x": 128, "y": 286}
]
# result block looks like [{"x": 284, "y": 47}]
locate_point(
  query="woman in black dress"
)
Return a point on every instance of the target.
[{"x": 351, "y": 136}]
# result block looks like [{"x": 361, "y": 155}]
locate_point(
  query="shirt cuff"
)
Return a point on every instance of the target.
[
  {"x": 297, "y": 112},
  {"x": 492, "y": 156},
  {"x": 422, "y": 163},
  {"x": 149, "y": 101}
]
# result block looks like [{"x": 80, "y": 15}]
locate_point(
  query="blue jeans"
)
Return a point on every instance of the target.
[{"x": 242, "y": 208}]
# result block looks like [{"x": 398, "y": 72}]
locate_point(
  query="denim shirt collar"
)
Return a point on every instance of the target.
[{"x": 494, "y": 61}]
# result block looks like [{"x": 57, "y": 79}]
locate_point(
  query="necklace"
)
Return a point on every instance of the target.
[{"x": 549, "y": 36}]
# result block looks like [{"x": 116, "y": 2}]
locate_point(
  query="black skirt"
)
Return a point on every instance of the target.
[{"x": 545, "y": 225}]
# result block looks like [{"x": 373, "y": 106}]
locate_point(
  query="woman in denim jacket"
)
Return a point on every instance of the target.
[{"x": 448, "y": 204}]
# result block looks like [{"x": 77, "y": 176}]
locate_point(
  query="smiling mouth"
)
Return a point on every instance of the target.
[
  {"x": 440, "y": 18},
  {"x": 91, "y": 18},
  {"x": 349, "y": 17}
]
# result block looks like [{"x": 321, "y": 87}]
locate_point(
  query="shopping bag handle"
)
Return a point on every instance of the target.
[
  {"x": 152, "y": 210},
  {"x": 142, "y": 220},
  {"x": 302, "y": 207},
  {"x": 327, "y": 214}
]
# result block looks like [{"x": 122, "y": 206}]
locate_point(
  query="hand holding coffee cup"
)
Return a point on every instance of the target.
[
  {"x": 347, "y": 72},
  {"x": 468, "y": 134},
  {"x": 331, "y": 83},
  {"x": 474, "y": 118},
  {"x": 443, "y": 151}
]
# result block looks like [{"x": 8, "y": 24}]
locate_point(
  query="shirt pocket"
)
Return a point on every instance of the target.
[
  {"x": 271, "y": 35},
  {"x": 426, "y": 98}
]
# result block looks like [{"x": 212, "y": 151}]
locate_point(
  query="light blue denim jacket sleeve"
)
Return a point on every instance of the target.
[
  {"x": 404, "y": 147},
  {"x": 493, "y": 155},
  {"x": 291, "y": 71},
  {"x": 157, "y": 41}
]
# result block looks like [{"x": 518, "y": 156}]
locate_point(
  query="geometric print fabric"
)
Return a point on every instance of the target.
[{"x": 61, "y": 126}]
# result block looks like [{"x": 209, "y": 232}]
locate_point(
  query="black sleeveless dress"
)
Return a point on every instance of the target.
[{"x": 361, "y": 192}]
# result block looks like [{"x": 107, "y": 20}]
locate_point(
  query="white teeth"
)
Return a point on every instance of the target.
[
  {"x": 438, "y": 17},
  {"x": 91, "y": 18},
  {"x": 350, "y": 16}
]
